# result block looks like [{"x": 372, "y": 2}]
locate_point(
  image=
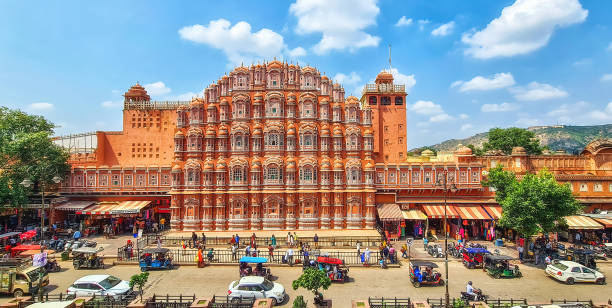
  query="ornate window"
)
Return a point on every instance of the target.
[
  {"x": 127, "y": 180},
  {"x": 165, "y": 180},
  {"x": 380, "y": 178},
  {"x": 239, "y": 209},
  {"x": 597, "y": 187},
  {"x": 153, "y": 180},
  {"x": 392, "y": 178},
  {"x": 463, "y": 177},
  {"x": 240, "y": 110},
  {"x": 140, "y": 180},
  {"x": 272, "y": 207},
  {"x": 104, "y": 180},
  {"x": 273, "y": 140},
  {"x": 475, "y": 178},
  {"x": 91, "y": 180},
  {"x": 308, "y": 110},
  {"x": 427, "y": 177},
  {"x": 238, "y": 175},
  {"x": 352, "y": 142},
  {"x": 354, "y": 176},
  {"x": 404, "y": 177},
  {"x": 308, "y": 175},
  {"x": 416, "y": 177},
  {"x": 307, "y": 208},
  {"x": 273, "y": 174}
]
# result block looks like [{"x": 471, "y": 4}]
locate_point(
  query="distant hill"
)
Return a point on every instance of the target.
[{"x": 571, "y": 139}]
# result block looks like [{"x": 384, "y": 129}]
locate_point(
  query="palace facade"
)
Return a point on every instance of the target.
[{"x": 278, "y": 146}]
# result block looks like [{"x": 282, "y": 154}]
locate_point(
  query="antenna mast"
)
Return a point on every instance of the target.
[{"x": 389, "y": 57}]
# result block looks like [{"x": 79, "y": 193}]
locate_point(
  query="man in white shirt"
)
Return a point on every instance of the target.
[{"x": 470, "y": 290}]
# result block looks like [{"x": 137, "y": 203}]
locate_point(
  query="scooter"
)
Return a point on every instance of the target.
[{"x": 479, "y": 296}]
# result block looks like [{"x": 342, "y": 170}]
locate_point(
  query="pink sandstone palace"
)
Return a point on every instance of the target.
[{"x": 279, "y": 146}]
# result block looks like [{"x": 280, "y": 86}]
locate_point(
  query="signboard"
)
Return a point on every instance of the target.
[
  {"x": 39, "y": 259},
  {"x": 139, "y": 233}
]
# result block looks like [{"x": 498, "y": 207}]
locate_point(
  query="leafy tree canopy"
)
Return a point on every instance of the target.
[
  {"x": 312, "y": 280},
  {"x": 139, "y": 280},
  {"x": 536, "y": 203},
  {"x": 505, "y": 139},
  {"x": 26, "y": 151}
]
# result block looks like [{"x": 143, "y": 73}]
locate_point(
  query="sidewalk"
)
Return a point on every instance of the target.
[{"x": 278, "y": 233}]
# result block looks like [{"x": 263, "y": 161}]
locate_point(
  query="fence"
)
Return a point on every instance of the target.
[
  {"x": 172, "y": 301},
  {"x": 389, "y": 302},
  {"x": 502, "y": 303},
  {"x": 183, "y": 256},
  {"x": 281, "y": 241},
  {"x": 236, "y": 302}
]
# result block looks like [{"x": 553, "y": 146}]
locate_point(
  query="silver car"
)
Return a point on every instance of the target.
[
  {"x": 100, "y": 285},
  {"x": 256, "y": 287}
]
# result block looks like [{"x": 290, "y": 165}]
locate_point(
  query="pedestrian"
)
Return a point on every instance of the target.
[
  {"x": 237, "y": 240},
  {"x": 604, "y": 237},
  {"x": 359, "y": 248},
  {"x": 306, "y": 257},
  {"x": 520, "y": 252},
  {"x": 273, "y": 241},
  {"x": 289, "y": 255},
  {"x": 392, "y": 254},
  {"x": 578, "y": 237},
  {"x": 233, "y": 240},
  {"x": 271, "y": 252},
  {"x": 316, "y": 241},
  {"x": 203, "y": 238},
  {"x": 295, "y": 237},
  {"x": 404, "y": 251},
  {"x": 234, "y": 251},
  {"x": 386, "y": 252},
  {"x": 253, "y": 239},
  {"x": 162, "y": 224},
  {"x": 381, "y": 253},
  {"x": 247, "y": 250},
  {"x": 426, "y": 241},
  {"x": 183, "y": 244},
  {"x": 194, "y": 238},
  {"x": 200, "y": 258},
  {"x": 367, "y": 256},
  {"x": 135, "y": 231},
  {"x": 159, "y": 242}
]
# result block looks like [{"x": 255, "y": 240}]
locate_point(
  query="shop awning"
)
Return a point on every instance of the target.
[
  {"x": 582, "y": 223},
  {"x": 472, "y": 212},
  {"x": 101, "y": 208},
  {"x": 437, "y": 211},
  {"x": 414, "y": 214},
  {"x": 494, "y": 211},
  {"x": 129, "y": 207},
  {"x": 606, "y": 222},
  {"x": 75, "y": 205},
  {"x": 389, "y": 211}
]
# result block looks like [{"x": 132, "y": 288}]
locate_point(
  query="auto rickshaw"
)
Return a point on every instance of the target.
[
  {"x": 499, "y": 266},
  {"x": 156, "y": 259},
  {"x": 473, "y": 257},
  {"x": 334, "y": 267},
  {"x": 585, "y": 257},
  {"x": 423, "y": 273},
  {"x": 87, "y": 257},
  {"x": 260, "y": 270}
]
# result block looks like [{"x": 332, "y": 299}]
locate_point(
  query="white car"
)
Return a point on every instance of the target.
[
  {"x": 257, "y": 287},
  {"x": 571, "y": 272},
  {"x": 105, "y": 285}
]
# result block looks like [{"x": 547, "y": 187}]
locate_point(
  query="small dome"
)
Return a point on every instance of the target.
[
  {"x": 208, "y": 166},
  {"x": 325, "y": 132},
  {"x": 210, "y": 132},
  {"x": 338, "y": 165},
  {"x": 352, "y": 100},
  {"x": 324, "y": 77},
  {"x": 337, "y": 131},
  {"x": 183, "y": 108},
  {"x": 222, "y": 131},
  {"x": 519, "y": 151},
  {"x": 384, "y": 77},
  {"x": 369, "y": 166},
  {"x": 367, "y": 132},
  {"x": 211, "y": 106},
  {"x": 258, "y": 95},
  {"x": 256, "y": 167},
  {"x": 324, "y": 101},
  {"x": 291, "y": 96},
  {"x": 463, "y": 151},
  {"x": 337, "y": 105},
  {"x": 291, "y": 132},
  {"x": 257, "y": 132},
  {"x": 224, "y": 102},
  {"x": 221, "y": 165},
  {"x": 137, "y": 93},
  {"x": 176, "y": 168},
  {"x": 291, "y": 159},
  {"x": 179, "y": 134},
  {"x": 290, "y": 166},
  {"x": 275, "y": 64},
  {"x": 427, "y": 153}
]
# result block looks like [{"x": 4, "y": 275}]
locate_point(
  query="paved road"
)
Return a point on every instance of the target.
[{"x": 535, "y": 285}]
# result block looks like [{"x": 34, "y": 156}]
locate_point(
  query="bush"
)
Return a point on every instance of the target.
[{"x": 299, "y": 302}]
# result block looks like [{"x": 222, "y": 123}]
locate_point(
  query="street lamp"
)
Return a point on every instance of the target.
[{"x": 443, "y": 182}]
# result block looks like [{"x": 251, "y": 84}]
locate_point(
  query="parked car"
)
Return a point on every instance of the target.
[
  {"x": 571, "y": 272},
  {"x": 257, "y": 287},
  {"x": 105, "y": 285}
]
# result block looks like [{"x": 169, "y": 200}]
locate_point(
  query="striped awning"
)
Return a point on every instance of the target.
[
  {"x": 389, "y": 211},
  {"x": 437, "y": 211},
  {"x": 414, "y": 214},
  {"x": 606, "y": 222},
  {"x": 582, "y": 223},
  {"x": 494, "y": 211},
  {"x": 75, "y": 205},
  {"x": 472, "y": 212},
  {"x": 100, "y": 208},
  {"x": 129, "y": 207}
]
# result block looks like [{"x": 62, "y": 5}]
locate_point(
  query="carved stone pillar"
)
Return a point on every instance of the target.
[
  {"x": 291, "y": 207},
  {"x": 220, "y": 218},
  {"x": 338, "y": 218}
]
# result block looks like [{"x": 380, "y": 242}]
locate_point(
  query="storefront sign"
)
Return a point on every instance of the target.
[{"x": 39, "y": 259}]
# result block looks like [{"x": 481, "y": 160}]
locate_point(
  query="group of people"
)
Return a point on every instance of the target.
[
  {"x": 543, "y": 248},
  {"x": 591, "y": 238}
]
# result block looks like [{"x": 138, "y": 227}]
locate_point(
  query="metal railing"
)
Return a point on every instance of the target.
[
  {"x": 389, "y": 302},
  {"x": 172, "y": 301},
  {"x": 228, "y": 302},
  {"x": 187, "y": 256},
  {"x": 502, "y": 303}
]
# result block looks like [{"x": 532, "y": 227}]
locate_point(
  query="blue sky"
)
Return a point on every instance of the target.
[{"x": 470, "y": 65}]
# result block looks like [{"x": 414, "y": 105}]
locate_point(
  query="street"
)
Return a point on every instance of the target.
[{"x": 364, "y": 283}]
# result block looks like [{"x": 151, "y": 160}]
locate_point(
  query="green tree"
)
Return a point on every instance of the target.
[
  {"x": 139, "y": 280},
  {"x": 26, "y": 151},
  {"x": 536, "y": 203},
  {"x": 299, "y": 302},
  {"x": 505, "y": 139},
  {"x": 476, "y": 150},
  {"x": 312, "y": 280}
]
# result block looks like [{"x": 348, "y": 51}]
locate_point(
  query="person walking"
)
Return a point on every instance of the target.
[
  {"x": 392, "y": 254},
  {"x": 367, "y": 256},
  {"x": 253, "y": 237},
  {"x": 289, "y": 255},
  {"x": 234, "y": 251},
  {"x": 520, "y": 252},
  {"x": 203, "y": 238},
  {"x": 237, "y": 240},
  {"x": 295, "y": 237},
  {"x": 316, "y": 241},
  {"x": 359, "y": 249},
  {"x": 404, "y": 251},
  {"x": 159, "y": 242},
  {"x": 247, "y": 251},
  {"x": 273, "y": 241},
  {"x": 289, "y": 239},
  {"x": 200, "y": 258},
  {"x": 271, "y": 252},
  {"x": 194, "y": 238}
]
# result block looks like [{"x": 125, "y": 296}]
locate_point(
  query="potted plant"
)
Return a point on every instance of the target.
[
  {"x": 312, "y": 280},
  {"x": 139, "y": 280}
]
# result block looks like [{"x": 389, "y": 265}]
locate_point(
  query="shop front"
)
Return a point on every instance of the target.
[
  {"x": 587, "y": 229},
  {"x": 118, "y": 216},
  {"x": 391, "y": 218},
  {"x": 434, "y": 225},
  {"x": 413, "y": 224},
  {"x": 475, "y": 223}
]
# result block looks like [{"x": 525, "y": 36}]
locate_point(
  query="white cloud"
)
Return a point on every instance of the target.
[
  {"x": 523, "y": 27},
  {"x": 604, "y": 116},
  {"x": 444, "y": 29},
  {"x": 465, "y": 127},
  {"x": 526, "y": 122},
  {"x": 535, "y": 91},
  {"x": 583, "y": 62},
  {"x": 111, "y": 104},
  {"x": 443, "y": 117},
  {"x": 581, "y": 113},
  {"x": 183, "y": 97},
  {"x": 426, "y": 108},
  {"x": 42, "y": 106},
  {"x": 399, "y": 78},
  {"x": 503, "y": 107},
  {"x": 463, "y": 116},
  {"x": 297, "y": 52},
  {"x": 157, "y": 88},
  {"x": 403, "y": 21},
  {"x": 237, "y": 42},
  {"x": 610, "y": 46},
  {"x": 350, "y": 79},
  {"x": 606, "y": 77},
  {"x": 341, "y": 22},
  {"x": 423, "y": 23},
  {"x": 479, "y": 83}
]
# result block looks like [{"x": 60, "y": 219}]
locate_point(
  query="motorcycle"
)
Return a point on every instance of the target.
[
  {"x": 479, "y": 296},
  {"x": 435, "y": 251},
  {"x": 52, "y": 266}
]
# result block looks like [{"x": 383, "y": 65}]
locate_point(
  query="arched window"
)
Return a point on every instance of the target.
[
  {"x": 273, "y": 108},
  {"x": 308, "y": 175},
  {"x": 238, "y": 175}
]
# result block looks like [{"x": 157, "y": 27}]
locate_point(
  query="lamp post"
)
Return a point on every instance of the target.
[
  {"x": 453, "y": 188},
  {"x": 27, "y": 183}
]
